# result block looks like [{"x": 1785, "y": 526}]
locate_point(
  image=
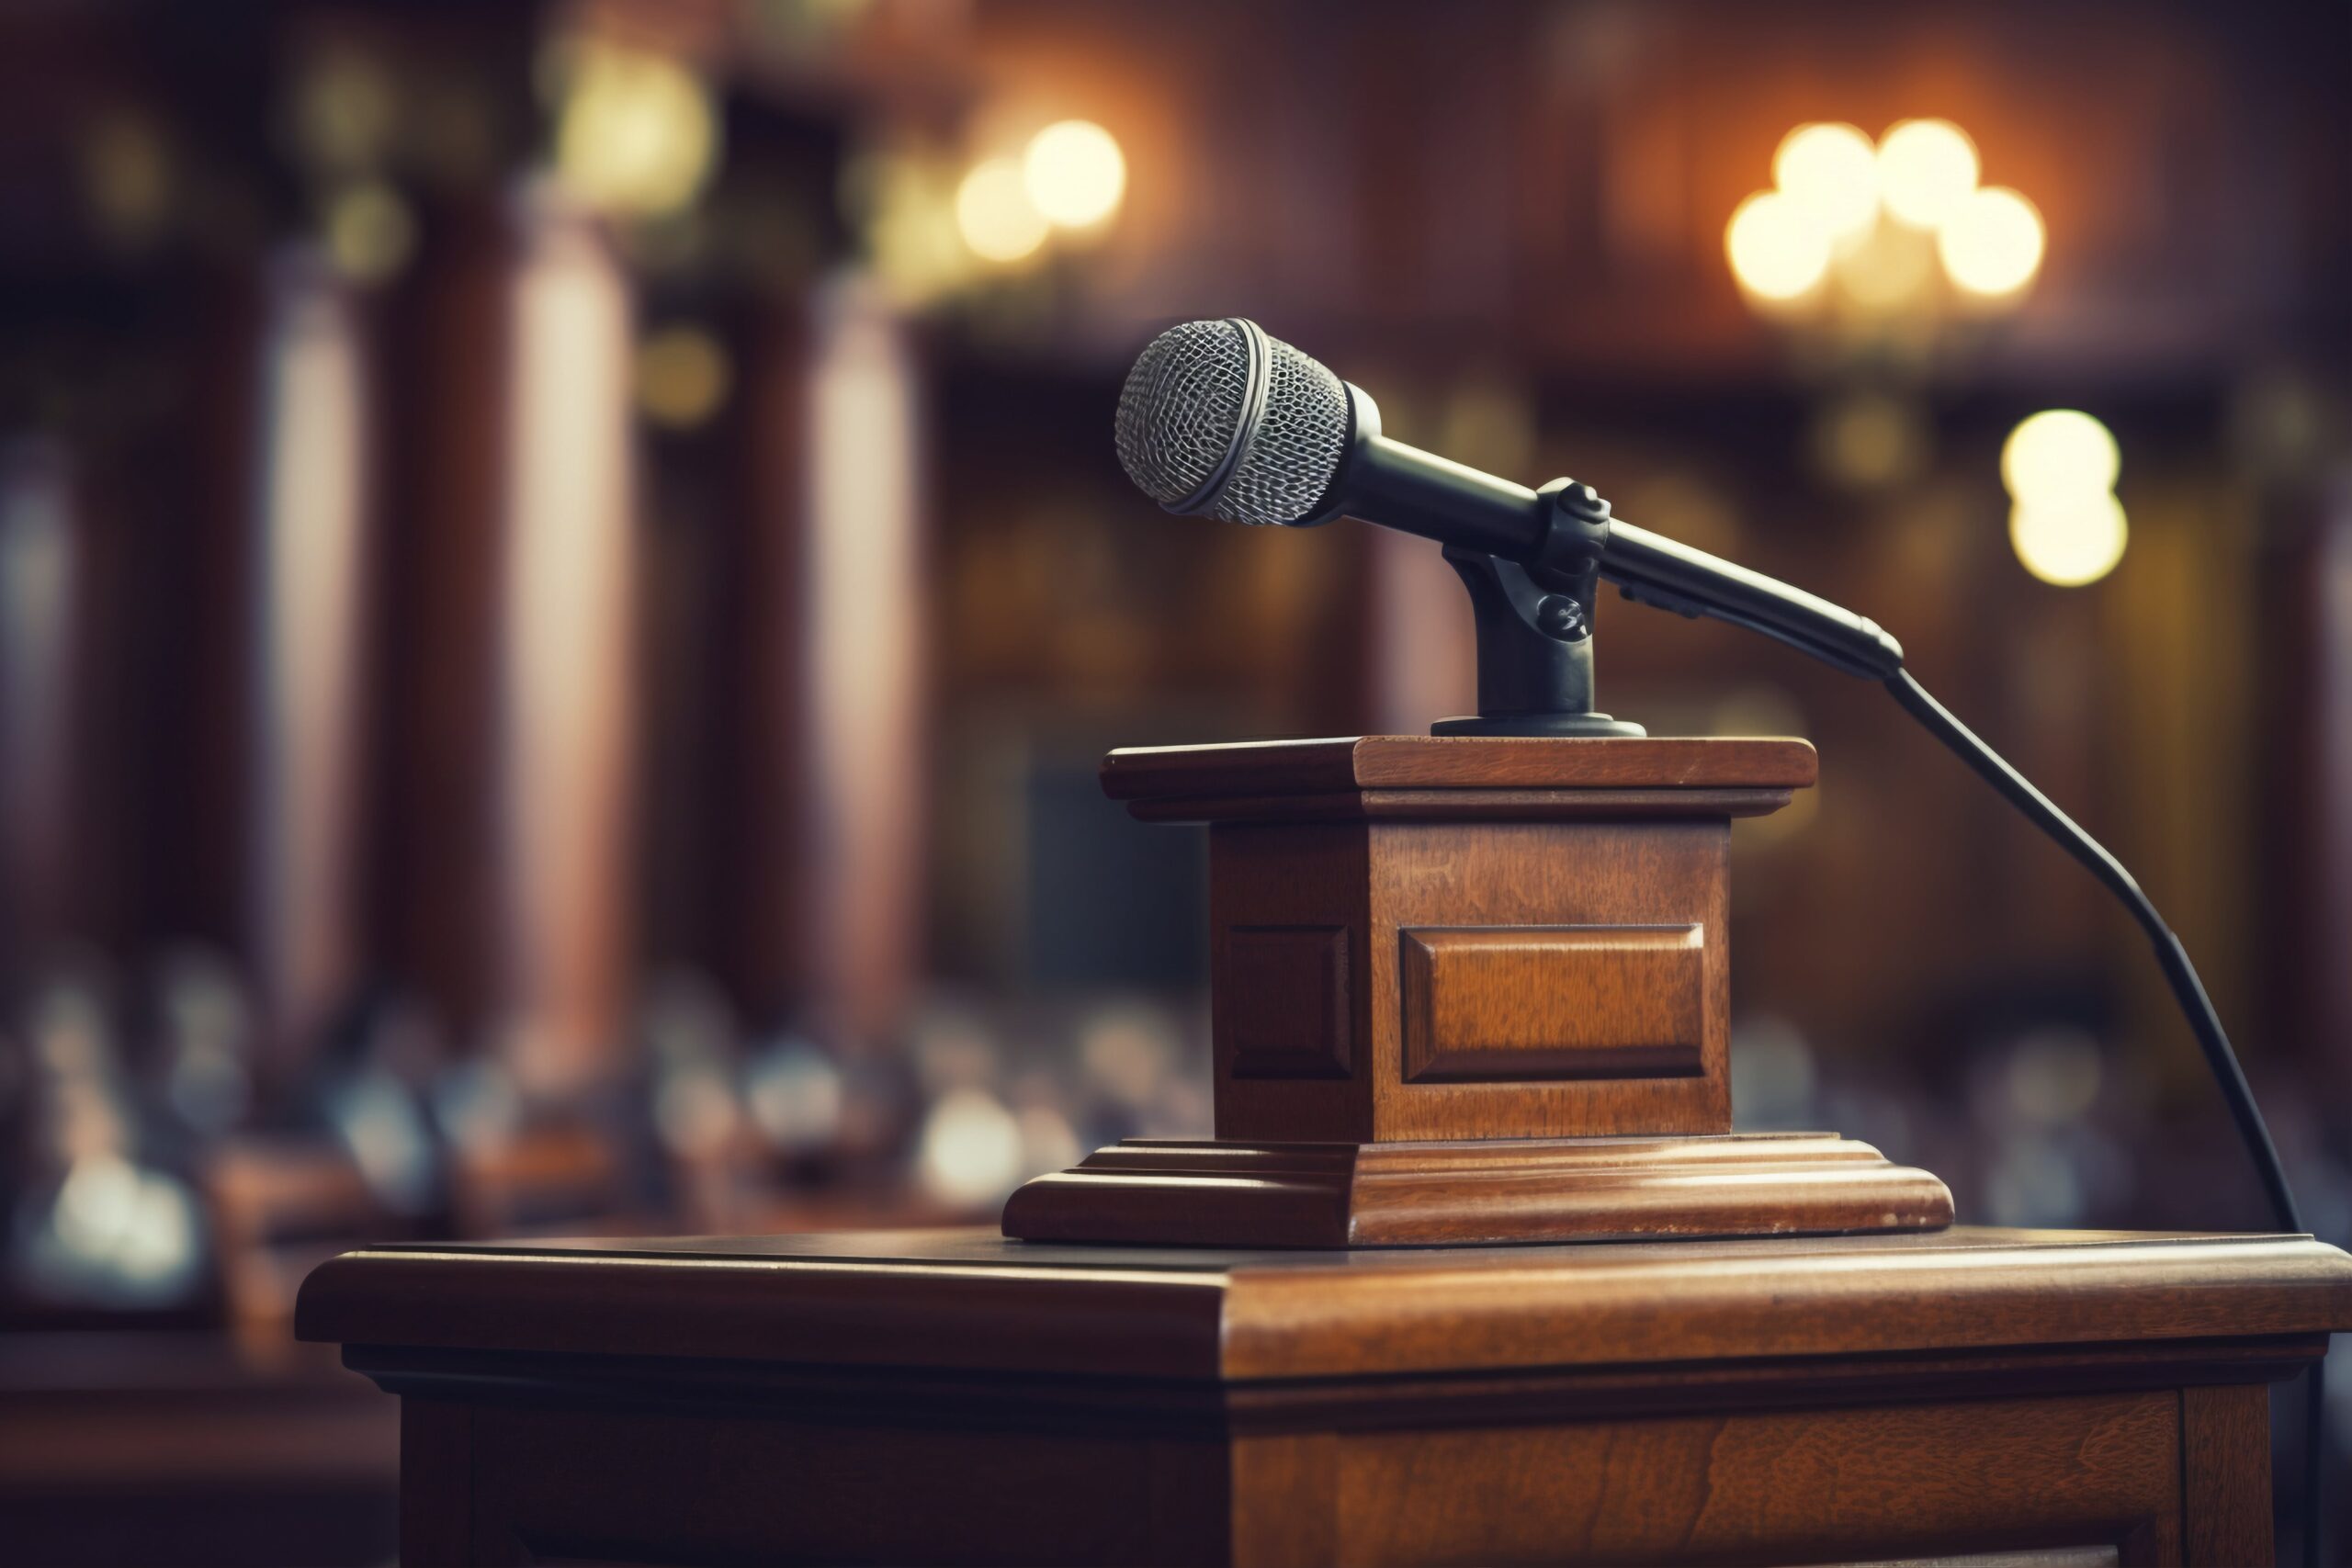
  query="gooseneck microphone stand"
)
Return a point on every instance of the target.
[{"x": 1535, "y": 637}]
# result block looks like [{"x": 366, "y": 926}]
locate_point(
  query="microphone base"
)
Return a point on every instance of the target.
[{"x": 1535, "y": 723}]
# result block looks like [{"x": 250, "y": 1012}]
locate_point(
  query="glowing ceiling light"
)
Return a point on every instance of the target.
[
  {"x": 994, "y": 213},
  {"x": 2069, "y": 542},
  {"x": 2059, "y": 455},
  {"x": 1831, "y": 171},
  {"x": 637, "y": 133},
  {"x": 1992, "y": 244},
  {"x": 1778, "y": 249},
  {"x": 2061, "y": 466},
  {"x": 1075, "y": 173},
  {"x": 1926, "y": 169}
]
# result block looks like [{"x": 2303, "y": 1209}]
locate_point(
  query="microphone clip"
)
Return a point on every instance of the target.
[{"x": 1534, "y": 626}]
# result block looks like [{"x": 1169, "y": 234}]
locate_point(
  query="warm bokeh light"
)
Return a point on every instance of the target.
[
  {"x": 2060, "y": 455},
  {"x": 994, "y": 213},
  {"x": 1778, "y": 251},
  {"x": 2061, "y": 466},
  {"x": 1992, "y": 244},
  {"x": 637, "y": 134},
  {"x": 1889, "y": 270},
  {"x": 1830, "y": 171},
  {"x": 369, "y": 231},
  {"x": 1926, "y": 169},
  {"x": 681, "y": 377},
  {"x": 1075, "y": 173},
  {"x": 905, "y": 205},
  {"x": 2070, "y": 541}
]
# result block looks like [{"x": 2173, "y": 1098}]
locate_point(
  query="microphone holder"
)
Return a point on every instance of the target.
[{"x": 1534, "y": 626}]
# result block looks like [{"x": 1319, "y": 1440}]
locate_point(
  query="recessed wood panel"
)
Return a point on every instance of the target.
[
  {"x": 1288, "y": 1001},
  {"x": 1508, "y": 1004}
]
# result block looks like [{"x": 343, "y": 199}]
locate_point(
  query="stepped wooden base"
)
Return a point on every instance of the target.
[{"x": 1149, "y": 1191}]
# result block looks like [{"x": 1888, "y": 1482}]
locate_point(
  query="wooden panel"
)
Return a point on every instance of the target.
[
  {"x": 1548, "y": 873},
  {"x": 437, "y": 1481},
  {"x": 1285, "y": 1500},
  {"x": 1501, "y": 1004},
  {"x": 2225, "y": 1469},
  {"x": 1309, "y": 876},
  {"x": 648, "y": 1485},
  {"x": 1288, "y": 1001},
  {"x": 1781, "y": 1486}
]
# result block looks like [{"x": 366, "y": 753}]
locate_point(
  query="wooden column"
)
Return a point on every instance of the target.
[
  {"x": 40, "y": 572},
  {"x": 305, "y": 558},
  {"x": 508, "y": 654}
]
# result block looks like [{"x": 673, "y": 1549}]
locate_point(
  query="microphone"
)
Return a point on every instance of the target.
[{"x": 1219, "y": 419}]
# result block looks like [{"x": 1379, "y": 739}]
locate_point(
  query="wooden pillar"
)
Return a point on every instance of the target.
[
  {"x": 304, "y": 563},
  {"x": 562, "y": 670},
  {"x": 506, "y": 854},
  {"x": 40, "y": 573},
  {"x": 861, "y": 612}
]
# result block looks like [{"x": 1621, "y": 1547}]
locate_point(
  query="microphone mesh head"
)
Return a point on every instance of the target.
[{"x": 1182, "y": 411}]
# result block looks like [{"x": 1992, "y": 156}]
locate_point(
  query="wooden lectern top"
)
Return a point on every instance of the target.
[
  {"x": 1531, "y": 778},
  {"x": 970, "y": 1300}
]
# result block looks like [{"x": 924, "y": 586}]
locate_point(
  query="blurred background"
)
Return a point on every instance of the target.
[{"x": 563, "y": 582}]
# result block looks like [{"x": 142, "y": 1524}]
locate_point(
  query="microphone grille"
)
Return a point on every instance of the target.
[{"x": 1191, "y": 412}]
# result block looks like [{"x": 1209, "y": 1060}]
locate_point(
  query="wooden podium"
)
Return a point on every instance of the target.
[{"x": 1467, "y": 992}]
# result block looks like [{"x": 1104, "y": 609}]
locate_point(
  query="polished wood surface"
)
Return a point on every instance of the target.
[
  {"x": 955, "y": 1396},
  {"x": 1434, "y": 778},
  {"x": 1485, "y": 1004},
  {"x": 970, "y": 1298},
  {"x": 1336, "y": 950},
  {"x": 1339, "y": 1195},
  {"x": 1419, "y": 943}
]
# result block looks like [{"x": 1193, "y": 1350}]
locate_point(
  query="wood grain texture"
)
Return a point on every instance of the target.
[
  {"x": 1313, "y": 876},
  {"x": 1375, "y": 881},
  {"x": 1832, "y": 1296},
  {"x": 972, "y": 1299},
  {"x": 1147, "y": 1191},
  {"x": 1301, "y": 1020},
  {"x": 650, "y": 1477},
  {"x": 2225, "y": 1473},
  {"x": 1519, "y": 1003},
  {"x": 1779, "y": 1487},
  {"x": 1547, "y": 874}
]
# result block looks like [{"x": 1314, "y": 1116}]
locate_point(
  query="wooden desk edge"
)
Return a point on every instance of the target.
[{"x": 1255, "y": 1320}]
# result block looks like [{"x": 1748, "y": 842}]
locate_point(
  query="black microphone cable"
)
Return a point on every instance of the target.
[{"x": 2186, "y": 989}]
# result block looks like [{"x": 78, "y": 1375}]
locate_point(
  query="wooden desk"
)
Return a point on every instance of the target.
[{"x": 951, "y": 1396}]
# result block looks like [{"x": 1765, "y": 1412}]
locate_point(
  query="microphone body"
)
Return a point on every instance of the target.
[
  {"x": 1218, "y": 418},
  {"x": 1385, "y": 482}
]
